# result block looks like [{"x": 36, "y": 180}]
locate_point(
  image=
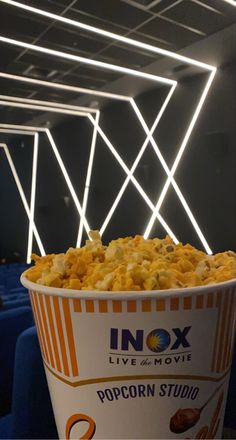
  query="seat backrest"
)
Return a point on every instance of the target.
[
  {"x": 12, "y": 323},
  {"x": 12, "y": 281},
  {"x": 8, "y": 305},
  {"x": 32, "y": 414}
]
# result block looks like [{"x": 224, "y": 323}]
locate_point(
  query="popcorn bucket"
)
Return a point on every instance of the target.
[{"x": 129, "y": 365}]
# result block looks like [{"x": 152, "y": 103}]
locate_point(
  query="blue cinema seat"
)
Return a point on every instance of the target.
[
  {"x": 7, "y": 305},
  {"x": 12, "y": 323},
  {"x": 12, "y": 281},
  {"x": 14, "y": 297},
  {"x": 32, "y": 415},
  {"x": 17, "y": 290}
]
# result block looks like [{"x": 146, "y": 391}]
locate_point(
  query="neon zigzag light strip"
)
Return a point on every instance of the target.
[
  {"x": 29, "y": 211},
  {"x": 112, "y": 149},
  {"x": 136, "y": 162},
  {"x": 27, "y": 101},
  {"x": 119, "y": 38},
  {"x": 7, "y": 128},
  {"x": 175, "y": 165},
  {"x": 109, "y": 145},
  {"x": 65, "y": 87},
  {"x": 123, "y": 166},
  {"x": 88, "y": 178},
  {"x": 14, "y": 129},
  {"x": 131, "y": 175}
]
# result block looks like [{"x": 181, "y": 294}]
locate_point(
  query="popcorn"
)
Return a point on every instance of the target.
[{"x": 132, "y": 264}]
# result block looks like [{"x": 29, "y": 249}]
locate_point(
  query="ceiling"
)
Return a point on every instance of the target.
[{"x": 172, "y": 25}]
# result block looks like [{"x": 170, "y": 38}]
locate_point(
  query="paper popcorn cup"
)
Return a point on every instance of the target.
[{"x": 129, "y": 365}]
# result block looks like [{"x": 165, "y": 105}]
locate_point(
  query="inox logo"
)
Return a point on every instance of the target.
[{"x": 157, "y": 340}]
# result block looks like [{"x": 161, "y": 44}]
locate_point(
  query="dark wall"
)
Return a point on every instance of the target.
[{"x": 206, "y": 173}]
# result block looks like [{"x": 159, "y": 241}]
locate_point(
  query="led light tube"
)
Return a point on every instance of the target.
[
  {"x": 25, "y": 128},
  {"x": 88, "y": 177},
  {"x": 49, "y": 103},
  {"x": 32, "y": 198},
  {"x": 22, "y": 195},
  {"x": 41, "y": 107},
  {"x": 68, "y": 181},
  {"x": 33, "y": 183},
  {"x": 63, "y": 86},
  {"x": 25, "y": 133},
  {"x": 231, "y": 2}
]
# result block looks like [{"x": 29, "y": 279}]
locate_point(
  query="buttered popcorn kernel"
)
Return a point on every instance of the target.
[{"x": 132, "y": 263}]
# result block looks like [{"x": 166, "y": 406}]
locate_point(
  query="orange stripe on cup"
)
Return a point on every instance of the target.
[
  {"x": 218, "y": 299},
  {"x": 228, "y": 329},
  {"x": 89, "y": 306},
  {"x": 35, "y": 297},
  {"x": 45, "y": 325},
  {"x": 199, "y": 301},
  {"x": 102, "y": 306},
  {"x": 37, "y": 325},
  {"x": 218, "y": 305},
  {"x": 131, "y": 305},
  {"x": 61, "y": 335},
  {"x": 187, "y": 302},
  {"x": 222, "y": 331},
  {"x": 77, "y": 305},
  {"x": 160, "y": 305},
  {"x": 116, "y": 306},
  {"x": 146, "y": 305},
  {"x": 232, "y": 334},
  {"x": 174, "y": 303},
  {"x": 210, "y": 300},
  {"x": 53, "y": 333},
  {"x": 70, "y": 336}
]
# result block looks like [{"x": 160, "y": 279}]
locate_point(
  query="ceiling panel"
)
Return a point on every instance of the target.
[
  {"x": 16, "y": 23},
  {"x": 73, "y": 40},
  {"x": 196, "y": 16},
  {"x": 177, "y": 36},
  {"x": 114, "y": 11},
  {"x": 150, "y": 39},
  {"x": 14, "y": 116},
  {"x": 92, "y": 20},
  {"x": 163, "y": 5},
  {"x": 12, "y": 88},
  {"x": 7, "y": 55},
  {"x": 46, "y": 93},
  {"x": 83, "y": 80},
  {"x": 47, "y": 62},
  {"x": 95, "y": 72},
  {"x": 128, "y": 57},
  {"x": 164, "y": 26}
]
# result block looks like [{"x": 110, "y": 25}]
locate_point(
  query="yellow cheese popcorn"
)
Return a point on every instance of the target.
[{"x": 132, "y": 263}]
